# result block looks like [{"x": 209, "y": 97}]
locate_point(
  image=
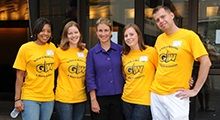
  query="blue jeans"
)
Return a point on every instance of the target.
[
  {"x": 70, "y": 111},
  {"x": 34, "y": 110},
  {"x": 136, "y": 112}
]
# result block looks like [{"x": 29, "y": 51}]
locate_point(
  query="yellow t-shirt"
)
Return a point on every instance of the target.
[
  {"x": 38, "y": 62},
  {"x": 176, "y": 54},
  {"x": 71, "y": 75},
  {"x": 139, "y": 69}
]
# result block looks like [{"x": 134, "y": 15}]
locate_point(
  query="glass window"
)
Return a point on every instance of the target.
[
  {"x": 14, "y": 10},
  {"x": 209, "y": 27},
  {"x": 150, "y": 29},
  {"x": 120, "y": 12},
  {"x": 209, "y": 30}
]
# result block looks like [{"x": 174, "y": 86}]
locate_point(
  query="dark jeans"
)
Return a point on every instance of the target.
[
  {"x": 70, "y": 111},
  {"x": 111, "y": 108},
  {"x": 136, "y": 112}
]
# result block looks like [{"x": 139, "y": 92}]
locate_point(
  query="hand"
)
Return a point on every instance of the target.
[
  {"x": 19, "y": 105},
  {"x": 184, "y": 93},
  {"x": 191, "y": 82},
  {"x": 95, "y": 106}
]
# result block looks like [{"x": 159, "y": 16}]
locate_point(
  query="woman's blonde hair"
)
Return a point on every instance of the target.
[{"x": 105, "y": 21}]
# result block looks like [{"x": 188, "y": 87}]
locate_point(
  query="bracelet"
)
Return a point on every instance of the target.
[{"x": 17, "y": 100}]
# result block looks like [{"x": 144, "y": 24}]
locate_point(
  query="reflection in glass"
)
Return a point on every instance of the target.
[
  {"x": 121, "y": 12},
  {"x": 14, "y": 10},
  {"x": 208, "y": 27}
]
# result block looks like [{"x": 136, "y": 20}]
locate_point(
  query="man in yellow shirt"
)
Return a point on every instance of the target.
[{"x": 177, "y": 49}]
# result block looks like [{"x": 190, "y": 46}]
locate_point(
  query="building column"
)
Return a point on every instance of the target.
[
  {"x": 193, "y": 14},
  {"x": 83, "y": 18},
  {"x": 33, "y": 13},
  {"x": 139, "y": 14}
]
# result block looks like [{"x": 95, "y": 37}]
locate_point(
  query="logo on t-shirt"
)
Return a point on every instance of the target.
[
  {"x": 168, "y": 55},
  {"x": 44, "y": 67},
  {"x": 134, "y": 69},
  {"x": 77, "y": 68}
]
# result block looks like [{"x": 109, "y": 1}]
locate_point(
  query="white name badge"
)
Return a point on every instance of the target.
[
  {"x": 143, "y": 58},
  {"x": 80, "y": 54},
  {"x": 177, "y": 43},
  {"x": 50, "y": 52}
]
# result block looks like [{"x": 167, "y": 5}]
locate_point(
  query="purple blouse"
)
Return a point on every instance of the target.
[{"x": 104, "y": 70}]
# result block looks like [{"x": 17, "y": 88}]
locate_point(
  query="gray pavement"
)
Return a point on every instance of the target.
[{"x": 7, "y": 106}]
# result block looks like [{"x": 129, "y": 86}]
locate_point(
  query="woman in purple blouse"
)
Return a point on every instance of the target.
[{"x": 104, "y": 78}]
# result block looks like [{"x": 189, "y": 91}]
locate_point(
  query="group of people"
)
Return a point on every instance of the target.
[
  {"x": 36, "y": 62},
  {"x": 133, "y": 81}
]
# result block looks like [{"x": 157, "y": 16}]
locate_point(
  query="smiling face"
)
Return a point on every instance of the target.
[
  {"x": 164, "y": 19},
  {"x": 103, "y": 33},
  {"x": 73, "y": 35},
  {"x": 131, "y": 38},
  {"x": 44, "y": 35}
]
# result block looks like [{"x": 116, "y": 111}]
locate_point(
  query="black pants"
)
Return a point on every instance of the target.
[{"x": 111, "y": 108}]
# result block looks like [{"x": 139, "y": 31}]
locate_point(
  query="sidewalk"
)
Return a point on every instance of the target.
[
  {"x": 7, "y": 106},
  {"x": 214, "y": 102}
]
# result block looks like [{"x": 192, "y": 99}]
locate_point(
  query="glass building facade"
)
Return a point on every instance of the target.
[{"x": 17, "y": 16}]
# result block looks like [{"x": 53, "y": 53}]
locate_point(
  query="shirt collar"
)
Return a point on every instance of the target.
[{"x": 100, "y": 49}]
